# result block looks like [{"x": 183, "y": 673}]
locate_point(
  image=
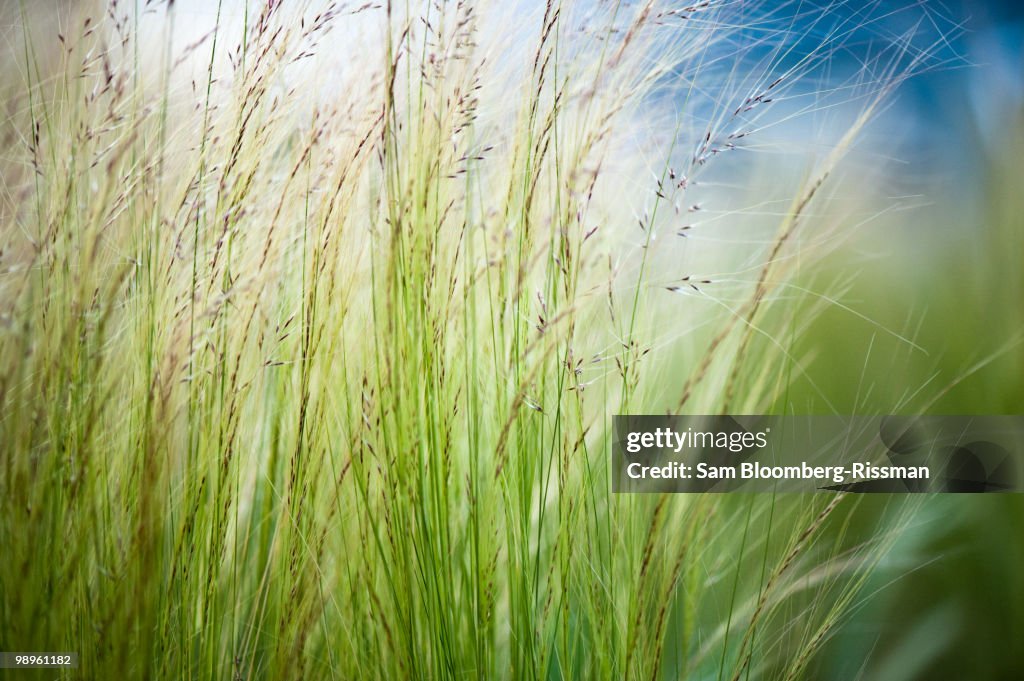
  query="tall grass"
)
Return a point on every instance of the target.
[{"x": 310, "y": 343}]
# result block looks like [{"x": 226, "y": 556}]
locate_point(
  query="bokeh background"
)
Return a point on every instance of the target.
[{"x": 944, "y": 270}]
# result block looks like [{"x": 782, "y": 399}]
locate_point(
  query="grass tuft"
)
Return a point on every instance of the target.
[{"x": 314, "y": 319}]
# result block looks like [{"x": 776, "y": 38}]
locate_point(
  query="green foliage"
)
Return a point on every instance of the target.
[{"x": 311, "y": 377}]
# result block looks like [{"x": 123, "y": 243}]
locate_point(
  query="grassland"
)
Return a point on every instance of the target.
[{"x": 314, "y": 321}]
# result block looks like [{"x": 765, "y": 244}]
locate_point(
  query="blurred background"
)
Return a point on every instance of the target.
[{"x": 942, "y": 270}]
